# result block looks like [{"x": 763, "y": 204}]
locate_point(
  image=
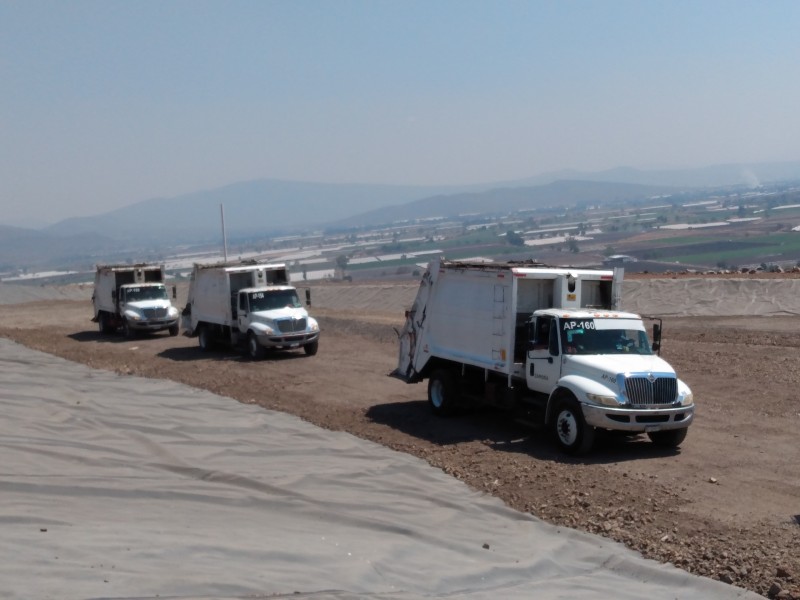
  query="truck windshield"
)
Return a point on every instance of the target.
[
  {"x": 146, "y": 292},
  {"x": 604, "y": 336},
  {"x": 273, "y": 299}
]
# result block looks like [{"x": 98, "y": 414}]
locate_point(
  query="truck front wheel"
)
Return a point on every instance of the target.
[
  {"x": 254, "y": 349},
  {"x": 442, "y": 392},
  {"x": 311, "y": 349},
  {"x": 670, "y": 438},
  {"x": 174, "y": 329},
  {"x": 127, "y": 330},
  {"x": 572, "y": 433}
]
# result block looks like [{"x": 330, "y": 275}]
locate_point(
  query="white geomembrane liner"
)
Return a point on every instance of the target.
[{"x": 123, "y": 487}]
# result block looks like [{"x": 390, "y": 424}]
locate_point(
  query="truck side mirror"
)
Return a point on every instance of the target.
[
  {"x": 113, "y": 295},
  {"x": 174, "y": 291},
  {"x": 308, "y": 297},
  {"x": 656, "y": 337}
]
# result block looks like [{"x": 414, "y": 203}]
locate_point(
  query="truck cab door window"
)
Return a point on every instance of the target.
[
  {"x": 243, "y": 303},
  {"x": 541, "y": 334}
]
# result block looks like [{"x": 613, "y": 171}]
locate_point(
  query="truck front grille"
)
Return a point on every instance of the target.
[
  {"x": 643, "y": 392},
  {"x": 154, "y": 313},
  {"x": 291, "y": 325}
]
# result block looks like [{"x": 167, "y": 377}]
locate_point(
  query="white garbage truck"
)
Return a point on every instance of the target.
[
  {"x": 250, "y": 304},
  {"x": 550, "y": 343},
  {"x": 134, "y": 298}
]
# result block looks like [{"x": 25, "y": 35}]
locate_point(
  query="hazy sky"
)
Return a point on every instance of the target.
[{"x": 104, "y": 103}]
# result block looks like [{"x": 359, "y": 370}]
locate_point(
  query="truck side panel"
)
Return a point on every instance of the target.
[
  {"x": 457, "y": 327},
  {"x": 477, "y": 314},
  {"x": 211, "y": 297}
]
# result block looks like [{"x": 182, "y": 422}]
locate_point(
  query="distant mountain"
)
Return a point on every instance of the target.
[
  {"x": 503, "y": 200},
  {"x": 37, "y": 249},
  {"x": 263, "y": 207},
  {"x": 715, "y": 176},
  {"x": 270, "y": 208}
]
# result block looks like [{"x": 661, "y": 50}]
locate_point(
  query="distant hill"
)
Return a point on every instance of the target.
[
  {"x": 503, "y": 200},
  {"x": 37, "y": 249},
  {"x": 263, "y": 207},
  {"x": 270, "y": 208},
  {"x": 715, "y": 176}
]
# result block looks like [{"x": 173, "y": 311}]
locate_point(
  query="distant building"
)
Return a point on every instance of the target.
[{"x": 616, "y": 259}]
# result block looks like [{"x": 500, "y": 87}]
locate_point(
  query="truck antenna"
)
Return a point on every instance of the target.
[{"x": 224, "y": 238}]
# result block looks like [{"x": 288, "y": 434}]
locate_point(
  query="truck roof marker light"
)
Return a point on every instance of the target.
[{"x": 606, "y": 278}]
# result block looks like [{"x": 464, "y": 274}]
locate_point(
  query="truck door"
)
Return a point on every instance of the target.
[
  {"x": 543, "y": 368},
  {"x": 243, "y": 317}
]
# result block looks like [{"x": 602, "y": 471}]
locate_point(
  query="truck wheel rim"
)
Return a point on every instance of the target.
[
  {"x": 436, "y": 394},
  {"x": 567, "y": 428}
]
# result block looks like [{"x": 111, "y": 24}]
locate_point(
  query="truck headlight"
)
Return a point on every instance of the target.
[
  {"x": 172, "y": 311},
  {"x": 262, "y": 329},
  {"x": 604, "y": 400},
  {"x": 686, "y": 399}
]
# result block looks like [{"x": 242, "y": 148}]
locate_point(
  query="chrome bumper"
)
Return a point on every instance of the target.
[{"x": 637, "y": 419}]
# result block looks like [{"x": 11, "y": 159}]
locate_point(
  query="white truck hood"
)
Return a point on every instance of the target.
[
  {"x": 142, "y": 304},
  {"x": 279, "y": 313},
  {"x": 616, "y": 364}
]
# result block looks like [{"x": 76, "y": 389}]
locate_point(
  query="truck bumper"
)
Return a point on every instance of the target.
[
  {"x": 282, "y": 342},
  {"x": 158, "y": 325},
  {"x": 641, "y": 420}
]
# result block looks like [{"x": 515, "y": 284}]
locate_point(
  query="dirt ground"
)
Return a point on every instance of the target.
[{"x": 726, "y": 505}]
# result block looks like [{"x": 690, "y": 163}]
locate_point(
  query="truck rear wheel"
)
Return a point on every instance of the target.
[
  {"x": 102, "y": 322},
  {"x": 204, "y": 338},
  {"x": 572, "y": 433},
  {"x": 254, "y": 349},
  {"x": 442, "y": 392},
  {"x": 671, "y": 438}
]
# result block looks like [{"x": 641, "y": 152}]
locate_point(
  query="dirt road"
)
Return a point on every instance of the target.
[{"x": 726, "y": 505}]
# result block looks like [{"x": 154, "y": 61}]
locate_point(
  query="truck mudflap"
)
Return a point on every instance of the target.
[{"x": 398, "y": 374}]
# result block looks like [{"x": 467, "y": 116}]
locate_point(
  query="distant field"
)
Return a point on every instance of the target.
[{"x": 753, "y": 249}]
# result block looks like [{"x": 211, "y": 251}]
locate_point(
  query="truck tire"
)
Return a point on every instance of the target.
[
  {"x": 102, "y": 322},
  {"x": 572, "y": 433},
  {"x": 311, "y": 349},
  {"x": 127, "y": 330},
  {"x": 670, "y": 438},
  {"x": 173, "y": 331},
  {"x": 204, "y": 338},
  {"x": 443, "y": 392},
  {"x": 254, "y": 349}
]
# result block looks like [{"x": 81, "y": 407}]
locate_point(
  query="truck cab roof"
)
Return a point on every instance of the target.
[
  {"x": 268, "y": 288},
  {"x": 585, "y": 314}
]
